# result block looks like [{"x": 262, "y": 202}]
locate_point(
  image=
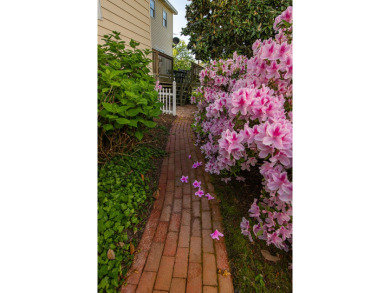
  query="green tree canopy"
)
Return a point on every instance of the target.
[
  {"x": 217, "y": 28},
  {"x": 182, "y": 57}
]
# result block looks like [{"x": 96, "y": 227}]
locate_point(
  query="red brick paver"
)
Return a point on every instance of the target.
[{"x": 176, "y": 252}]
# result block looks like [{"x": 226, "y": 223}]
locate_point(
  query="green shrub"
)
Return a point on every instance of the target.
[{"x": 127, "y": 101}]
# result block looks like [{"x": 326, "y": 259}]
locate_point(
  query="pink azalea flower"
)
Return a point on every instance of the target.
[
  {"x": 189, "y": 156},
  {"x": 283, "y": 49},
  {"x": 275, "y": 134},
  {"x": 274, "y": 239},
  {"x": 241, "y": 101},
  {"x": 216, "y": 234},
  {"x": 272, "y": 70},
  {"x": 281, "y": 157},
  {"x": 240, "y": 178},
  {"x": 245, "y": 166},
  {"x": 269, "y": 51},
  {"x": 230, "y": 143},
  {"x": 285, "y": 193},
  {"x": 245, "y": 228},
  {"x": 278, "y": 179},
  {"x": 184, "y": 179},
  {"x": 254, "y": 211},
  {"x": 282, "y": 217},
  {"x": 209, "y": 196},
  {"x": 199, "y": 193},
  {"x": 226, "y": 180},
  {"x": 197, "y": 183},
  {"x": 285, "y": 233}
]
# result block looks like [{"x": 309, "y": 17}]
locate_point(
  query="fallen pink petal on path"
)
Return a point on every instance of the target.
[
  {"x": 184, "y": 179},
  {"x": 197, "y": 184},
  {"x": 199, "y": 193},
  {"x": 209, "y": 196},
  {"x": 216, "y": 234}
]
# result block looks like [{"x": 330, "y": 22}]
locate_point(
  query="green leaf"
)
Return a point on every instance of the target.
[
  {"x": 139, "y": 135},
  {"x": 148, "y": 123},
  {"x": 108, "y": 127},
  {"x": 122, "y": 109},
  {"x": 155, "y": 112},
  {"x": 131, "y": 94},
  {"x": 133, "y": 123},
  {"x": 114, "y": 83},
  {"x": 123, "y": 121},
  {"x": 142, "y": 102},
  {"x": 107, "y": 106},
  {"x": 133, "y": 112}
]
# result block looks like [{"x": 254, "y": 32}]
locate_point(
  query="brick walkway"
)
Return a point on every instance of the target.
[{"x": 176, "y": 252}]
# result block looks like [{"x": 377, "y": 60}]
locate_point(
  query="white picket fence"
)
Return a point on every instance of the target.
[{"x": 168, "y": 97}]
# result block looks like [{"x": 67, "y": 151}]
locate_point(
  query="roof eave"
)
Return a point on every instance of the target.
[{"x": 170, "y": 6}]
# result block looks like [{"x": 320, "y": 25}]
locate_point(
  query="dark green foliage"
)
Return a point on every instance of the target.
[
  {"x": 126, "y": 96},
  {"x": 217, "y": 28},
  {"x": 122, "y": 197}
]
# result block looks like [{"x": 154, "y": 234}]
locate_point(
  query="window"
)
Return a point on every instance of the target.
[
  {"x": 165, "y": 65},
  {"x": 152, "y": 9},
  {"x": 164, "y": 19}
]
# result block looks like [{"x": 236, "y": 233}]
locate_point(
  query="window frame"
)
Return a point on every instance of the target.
[
  {"x": 166, "y": 20},
  {"x": 100, "y": 16},
  {"x": 152, "y": 9}
]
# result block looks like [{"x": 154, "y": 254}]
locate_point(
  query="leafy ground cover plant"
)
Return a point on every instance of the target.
[
  {"x": 127, "y": 99},
  {"x": 244, "y": 123},
  {"x": 126, "y": 184}
]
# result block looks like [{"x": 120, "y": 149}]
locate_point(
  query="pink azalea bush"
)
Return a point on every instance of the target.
[{"x": 244, "y": 123}]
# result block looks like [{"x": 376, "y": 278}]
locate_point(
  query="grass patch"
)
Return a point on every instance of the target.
[
  {"x": 126, "y": 184},
  {"x": 250, "y": 271}
]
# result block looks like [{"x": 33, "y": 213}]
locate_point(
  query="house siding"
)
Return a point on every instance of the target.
[
  {"x": 162, "y": 36},
  {"x": 129, "y": 17}
]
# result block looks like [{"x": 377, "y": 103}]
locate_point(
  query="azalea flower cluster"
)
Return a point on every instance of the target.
[
  {"x": 244, "y": 123},
  {"x": 158, "y": 86}
]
